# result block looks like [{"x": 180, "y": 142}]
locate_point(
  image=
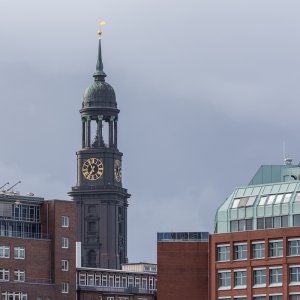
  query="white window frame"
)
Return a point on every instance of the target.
[
  {"x": 65, "y": 242},
  {"x": 64, "y": 265},
  {"x": 65, "y": 287},
  {"x": 276, "y": 241},
  {"x": 273, "y": 284},
  {"x": 234, "y": 251},
  {"x": 298, "y": 275},
  {"x": 259, "y": 285},
  {"x": 65, "y": 221},
  {"x": 5, "y": 275},
  {"x": 228, "y": 275},
  {"x": 225, "y": 247},
  {"x": 19, "y": 252},
  {"x": 239, "y": 286},
  {"x": 4, "y": 251},
  {"x": 253, "y": 244},
  {"x": 19, "y": 276}
]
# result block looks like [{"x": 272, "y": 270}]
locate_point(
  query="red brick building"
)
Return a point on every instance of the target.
[
  {"x": 255, "y": 251},
  {"x": 37, "y": 248},
  {"x": 182, "y": 260}
]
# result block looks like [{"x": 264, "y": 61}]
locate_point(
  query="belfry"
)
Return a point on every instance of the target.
[{"x": 101, "y": 201}]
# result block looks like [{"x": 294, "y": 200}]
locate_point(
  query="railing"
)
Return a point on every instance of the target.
[
  {"x": 24, "y": 235},
  {"x": 129, "y": 290},
  {"x": 182, "y": 236}
]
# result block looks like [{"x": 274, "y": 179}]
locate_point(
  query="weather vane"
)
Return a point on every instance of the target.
[{"x": 102, "y": 23}]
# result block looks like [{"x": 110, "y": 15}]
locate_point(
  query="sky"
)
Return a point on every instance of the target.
[{"x": 208, "y": 91}]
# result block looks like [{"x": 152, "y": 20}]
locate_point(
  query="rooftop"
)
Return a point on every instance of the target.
[{"x": 270, "y": 200}]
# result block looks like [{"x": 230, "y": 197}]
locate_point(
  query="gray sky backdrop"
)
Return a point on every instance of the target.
[{"x": 208, "y": 91}]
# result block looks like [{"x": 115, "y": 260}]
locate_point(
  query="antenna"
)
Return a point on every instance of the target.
[
  {"x": 13, "y": 186},
  {"x": 4, "y": 185},
  {"x": 283, "y": 149}
]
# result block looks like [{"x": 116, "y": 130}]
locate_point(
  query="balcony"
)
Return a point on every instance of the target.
[{"x": 24, "y": 235}]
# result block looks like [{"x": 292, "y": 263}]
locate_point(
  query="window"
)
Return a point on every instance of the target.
[
  {"x": 4, "y": 251},
  {"x": 275, "y": 297},
  {"x": 240, "y": 251},
  {"x": 64, "y": 221},
  {"x": 294, "y": 297},
  {"x": 275, "y": 248},
  {"x": 19, "y": 275},
  {"x": 295, "y": 275},
  {"x": 296, "y": 220},
  {"x": 268, "y": 222},
  {"x": 4, "y": 275},
  {"x": 240, "y": 278},
  {"x": 260, "y": 223},
  {"x": 65, "y": 242},
  {"x": 294, "y": 247},
  {"x": 262, "y": 200},
  {"x": 279, "y": 198},
  {"x": 224, "y": 280},
  {"x": 110, "y": 298},
  {"x": 82, "y": 279},
  {"x": 271, "y": 199},
  {"x": 234, "y": 226},
  {"x": 19, "y": 252},
  {"x": 65, "y": 265},
  {"x": 65, "y": 287},
  {"x": 287, "y": 198},
  {"x": 259, "y": 277},
  {"x": 275, "y": 276},
  {"x": 223, "y": 252},
  {"x": 259, "y": 297},
  {"x": 297, "y": 198},
  {"x": 258, "y": 250}
]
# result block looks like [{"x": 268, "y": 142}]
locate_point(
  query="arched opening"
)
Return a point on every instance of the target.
[{"x": 92, "y": 258}]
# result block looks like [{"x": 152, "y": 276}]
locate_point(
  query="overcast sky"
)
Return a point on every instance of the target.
[{"x": 208, "y": 91}]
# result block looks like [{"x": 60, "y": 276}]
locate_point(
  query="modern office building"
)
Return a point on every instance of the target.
[{"x": 255, "y": 251}]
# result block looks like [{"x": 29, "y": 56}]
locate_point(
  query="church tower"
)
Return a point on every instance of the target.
[{"x": 101, "y": 201}]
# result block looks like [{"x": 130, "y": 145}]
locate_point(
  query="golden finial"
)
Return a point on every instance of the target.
[{"x": 101, "y": 24}]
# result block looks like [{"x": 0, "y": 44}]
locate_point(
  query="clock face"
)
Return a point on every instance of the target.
[
  {"x": 92, "y": 169},
  {"x": 118, "y": 170}
]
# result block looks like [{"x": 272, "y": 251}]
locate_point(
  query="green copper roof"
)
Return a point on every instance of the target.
[{"x": 272, "y": 198}]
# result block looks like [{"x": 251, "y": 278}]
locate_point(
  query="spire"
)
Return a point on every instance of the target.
[{"x": 99, "y": 74}]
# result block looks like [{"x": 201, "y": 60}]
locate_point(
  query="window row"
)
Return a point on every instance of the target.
[
  {"x": 263, "y": 223},
  {"x": 121, "y": 281},
  {"x": 19, "y": 275},
  {"x": 259, "y": 277},
  {"x": 19, "y": 252},
  {"x": 264, "y": 200},
  {"x": 292, "y": 296},
  {"x": 13, "y": 296},
  {"x": 258, "y": 250}
]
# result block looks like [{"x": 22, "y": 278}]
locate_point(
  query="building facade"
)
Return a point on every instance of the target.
[
  {"x": 182, "y": 259},
  {"x": 37, "y": 248},
  {"x": 255, "y": 251}
]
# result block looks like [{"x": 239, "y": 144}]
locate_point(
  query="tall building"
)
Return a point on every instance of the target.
[
  {"x": 101, "y": 201},
  {"x": 255, "y": 251}
]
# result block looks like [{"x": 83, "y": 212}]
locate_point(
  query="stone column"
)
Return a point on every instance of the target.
[
  {"x": 111, "y": 135},
  {"x": 116, "y": 133},
  {"x": 100, "y": 134},
  {"x": 88, "y": 133},
  {"x": 83, "y": 132}
]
